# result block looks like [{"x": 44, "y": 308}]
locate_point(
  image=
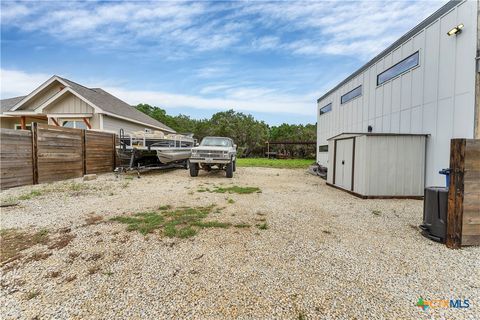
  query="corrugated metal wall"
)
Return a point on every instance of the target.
[{"x": 435, "y": 98}]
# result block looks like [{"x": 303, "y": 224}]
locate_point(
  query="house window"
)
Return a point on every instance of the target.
[
  {"x": 351, "y": 95},
  {"x": 77, "y": 124},
  {"x": 323, "y": 148},
  {"x": 401, "y": 67},
  {"x": 19, "y": 127},
  {"x": 326, "y": 109}
]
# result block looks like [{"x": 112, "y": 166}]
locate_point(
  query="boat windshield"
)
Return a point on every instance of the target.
[{"x": 216, "y": 142}]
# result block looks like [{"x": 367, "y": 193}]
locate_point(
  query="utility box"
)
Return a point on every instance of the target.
[
  {"x": 378, "y": 165},
  {"x": 435, "y": 206}
]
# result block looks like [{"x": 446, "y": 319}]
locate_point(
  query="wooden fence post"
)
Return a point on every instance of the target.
[
  {"x": 35, "y": 152},
  {"x": 114, "y": 138},
  {"x": 456, "y": 193},
  {"x": 84, "y": 152}
]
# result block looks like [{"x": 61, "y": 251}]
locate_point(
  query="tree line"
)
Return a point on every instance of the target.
[{"x": 249, "y": 134}]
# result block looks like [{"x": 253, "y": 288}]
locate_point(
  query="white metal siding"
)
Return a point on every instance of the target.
[
  {"x": 394, "y": 166},
  {"x": 435, "y": 98}
]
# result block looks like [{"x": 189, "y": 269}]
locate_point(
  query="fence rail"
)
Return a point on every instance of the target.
[{"x": 50, "y": 153}]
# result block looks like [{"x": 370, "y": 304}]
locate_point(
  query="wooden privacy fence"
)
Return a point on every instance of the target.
[
  {"x": 463, "y": 215},
  {"x": 50, "y": 153}
]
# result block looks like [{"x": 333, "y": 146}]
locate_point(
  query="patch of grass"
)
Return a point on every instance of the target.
[
  {"x": 30, "y": 195},
  {"x": 211, "y": 224},
  {"x": 203, "y": 190},
  {"x": 376, "y": 212},
  {"x": 163, "y": 208},
  {"x": 230, "y": 200},
  {"x": 108, "y": 273},
  {"x": 182, "y": 222},
  {"x": 262, "y": 226},
  {"x": 9, "y": 202},
  {"x": 32, "y": 294},
  {"x": 241, "y": 225},
  {"x": 128, "y": 177},
  {"x": 275, "y": 163},
  {"x": 237, "y": 189},
  {"x": 14, "y": 241}
]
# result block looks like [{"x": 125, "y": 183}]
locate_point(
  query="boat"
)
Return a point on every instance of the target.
[{"x": 154, "y": 148}]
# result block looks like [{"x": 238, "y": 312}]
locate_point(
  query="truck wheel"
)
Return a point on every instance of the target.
[
  {"x": 229, "y": 169},
  {"x": 234, "y": 165},
  {"x": 193, "y": 169}
]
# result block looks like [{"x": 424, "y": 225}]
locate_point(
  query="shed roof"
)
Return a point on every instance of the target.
[{"x": 335, "y": 137}]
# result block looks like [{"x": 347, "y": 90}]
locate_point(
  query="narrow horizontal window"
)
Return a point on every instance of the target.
[
  {"x": 326, "y": 109},
  {"x": 323, "y": 148},
  {"x": 351, "y": 95},
  {"x": 401, "y": 67}
]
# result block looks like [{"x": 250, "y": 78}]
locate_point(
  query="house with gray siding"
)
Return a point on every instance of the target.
[
  {"x": 427, "y": 84},
  {"x": 62, "y": 102}
]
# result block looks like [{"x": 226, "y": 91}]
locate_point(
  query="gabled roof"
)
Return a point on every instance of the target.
[
  {"x": 113, "y": 105},
  {"x": 101, "y": 100},
  {"x": 7, "y": 104}
]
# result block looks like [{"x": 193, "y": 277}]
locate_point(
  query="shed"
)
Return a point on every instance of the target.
[{"x": 378, "y": 165}]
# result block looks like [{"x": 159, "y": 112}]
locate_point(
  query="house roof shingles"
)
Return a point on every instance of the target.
[
  {"x": 7, "y": 104},
  {"x": 103, "y": 100},
  {"x": 112, "y": 104}
]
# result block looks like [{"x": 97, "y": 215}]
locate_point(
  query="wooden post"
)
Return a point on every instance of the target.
[
  {"x": 87, "y": 123},
  {"x": 456, "y": 194},
  {"x": 23, "y": 124},
  {"x": 84, "y": 152},
  {"x": 35, "y": 152},
  {"x": 114, "y": 138}
]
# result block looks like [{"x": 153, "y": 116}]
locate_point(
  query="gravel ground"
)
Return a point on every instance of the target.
[{"x": 325, "y": 255}]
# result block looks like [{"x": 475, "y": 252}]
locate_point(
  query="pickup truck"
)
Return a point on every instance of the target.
[{"x": 213, "y": 153}]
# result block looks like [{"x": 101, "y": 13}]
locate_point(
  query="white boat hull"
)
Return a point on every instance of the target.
[{"x": 168, "y": 155}]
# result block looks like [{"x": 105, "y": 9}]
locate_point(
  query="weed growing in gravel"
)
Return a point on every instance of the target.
[
  {"x": 163, "y": 208},
  {"x": 242, "y": 225},
  {"x": 377, "y": 212},
  {"x": 262, "y": 226},
  {"x": 32, "y": 294},
  {"x": 182, "y": 222},
  {"x": 237, "y": 189},
  {"x": 8, "y": 202},
  {"x": 230, "y": 200},
  {"x": 30, "y": 195}
]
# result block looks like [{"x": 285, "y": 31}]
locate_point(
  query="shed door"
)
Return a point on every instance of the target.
[{"x": 344, "y": 163}]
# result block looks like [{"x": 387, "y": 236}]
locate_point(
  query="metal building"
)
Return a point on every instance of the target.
[{"x": 426, "y": 83}]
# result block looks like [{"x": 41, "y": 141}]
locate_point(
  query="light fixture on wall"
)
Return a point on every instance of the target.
[{"x": 455, "y": 30}]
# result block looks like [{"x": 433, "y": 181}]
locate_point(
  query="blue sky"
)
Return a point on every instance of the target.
[{"x": 270, "y": 59}]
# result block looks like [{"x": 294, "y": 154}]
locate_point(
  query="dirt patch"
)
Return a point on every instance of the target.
[{"x": 15, "y": 241}]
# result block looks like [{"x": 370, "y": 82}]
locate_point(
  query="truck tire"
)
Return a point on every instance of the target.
[
  {"x": 193, "y": 169},
  {"x": 234, "y": 165},
  {"x": 229, "y": 169}
]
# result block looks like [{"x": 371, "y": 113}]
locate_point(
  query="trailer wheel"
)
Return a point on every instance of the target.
[
  {"x": 229, "y": 169},
  {"x": 193, "y": 169}
]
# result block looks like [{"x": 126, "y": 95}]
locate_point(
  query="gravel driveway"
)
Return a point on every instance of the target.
[{"x": 324, "y": 255}]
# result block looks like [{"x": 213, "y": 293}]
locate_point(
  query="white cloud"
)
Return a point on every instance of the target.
[
  {"x": 15, "y": 83},
  {"x": 178, "y": 29}
]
